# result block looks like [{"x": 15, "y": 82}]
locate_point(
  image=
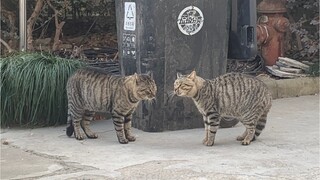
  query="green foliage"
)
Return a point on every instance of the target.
[
  {"x": 306, "y": 25},
  {"x": 33, "y": 89},
  {"x": 314, "y": 69}
]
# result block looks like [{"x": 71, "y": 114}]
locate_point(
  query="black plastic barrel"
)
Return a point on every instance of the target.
[
  {"x": 166, "y": 37},
  {"x": 243, "y": 36}
]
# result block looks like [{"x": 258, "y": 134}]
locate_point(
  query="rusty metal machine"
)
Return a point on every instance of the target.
[{"x": 271, "y": 29}]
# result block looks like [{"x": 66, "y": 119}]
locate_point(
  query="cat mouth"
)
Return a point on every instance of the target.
[
  {"x": 176, "y": 93},
  {"x": 151, "y": 97}
]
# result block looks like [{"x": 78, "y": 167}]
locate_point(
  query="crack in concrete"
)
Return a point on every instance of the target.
[{"x": 67, "y": 167}]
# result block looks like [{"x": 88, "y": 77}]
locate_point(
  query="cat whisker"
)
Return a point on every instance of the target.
[
  {"x": 171, "y": 95},
  {"x": 151, "y": 102}
]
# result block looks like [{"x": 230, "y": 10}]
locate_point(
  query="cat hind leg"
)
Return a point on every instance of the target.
[
  {"x": 87, "y": 118},
  {"x": 261, "y": 124},
  {"x": 76, "y": 116},
  {"x": 241, "y": 137},
  {"x": 77, "y": 130},
  {"x": 70, "y": 128},
  {"x": 249, "y": 135}
]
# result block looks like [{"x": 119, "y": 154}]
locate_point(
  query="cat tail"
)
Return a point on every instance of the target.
[
  {"x": 70, "y": 128},
  {"x": 261, "y": 124}
]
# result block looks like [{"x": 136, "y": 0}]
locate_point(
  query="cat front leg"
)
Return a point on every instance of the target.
[
  {"x": 127, "y": 128},
  {"x": 205, "y": 120},
  {"x": 213, "y": 125},
  {"x": 118, "y": 122},
  {"x": 249, "y": 122}
]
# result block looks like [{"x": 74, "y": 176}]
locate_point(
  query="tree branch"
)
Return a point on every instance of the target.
[
  {"x": 58, "y": 25},
  {"x": 6, "y": 45},
  {"x": 12, "y": 32},
  {"x": 30, "y": 23}
]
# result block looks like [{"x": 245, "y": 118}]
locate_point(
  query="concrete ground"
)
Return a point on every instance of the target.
[{"x": 287, "y": 149}]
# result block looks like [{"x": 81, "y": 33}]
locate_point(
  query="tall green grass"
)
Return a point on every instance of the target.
[
  {"x": 33, "y": 89},
  {"x": 314, "y": 69}
]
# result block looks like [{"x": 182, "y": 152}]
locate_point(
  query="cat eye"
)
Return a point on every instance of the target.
[
  {"x": 185, "y": 88},
  {"x": 188, "y": 85}
]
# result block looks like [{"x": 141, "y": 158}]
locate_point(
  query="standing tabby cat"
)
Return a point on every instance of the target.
[
  {"x": 92, "y": 90},
  {"x": 235, "y": 95}
]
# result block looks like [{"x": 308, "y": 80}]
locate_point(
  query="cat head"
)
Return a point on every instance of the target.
[
  {"x": 187, "y": 85},
  {"x": 142, "y": 85}
]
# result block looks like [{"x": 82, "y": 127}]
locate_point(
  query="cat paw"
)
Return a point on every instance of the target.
[
  {"x": 131, "y": 138},
  {"x": 79, "y": 136},
  {"x": 208, "y": 143},
  {"x": 240, "y": 138},
  {"x": 204, "y": 141},
  {"x": 92, "y": 136},
  {"x": 123, "y": 141},
  {"x": 245, "y": 142}
]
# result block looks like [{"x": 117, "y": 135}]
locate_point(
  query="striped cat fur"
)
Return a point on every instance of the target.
[
  {"x": 231, "y": 95},
  {"x": 92, "y": 90}
]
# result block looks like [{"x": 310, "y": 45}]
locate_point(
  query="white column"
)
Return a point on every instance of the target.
[{"x": 23, "y": 25}]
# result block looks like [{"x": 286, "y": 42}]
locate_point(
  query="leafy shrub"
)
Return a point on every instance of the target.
[
  {"x": 33, "y": 89},
  {"x": 304, "y": 17}
]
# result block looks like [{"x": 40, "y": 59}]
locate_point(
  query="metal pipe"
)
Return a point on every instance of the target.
[{"x": 23, "y": 25}]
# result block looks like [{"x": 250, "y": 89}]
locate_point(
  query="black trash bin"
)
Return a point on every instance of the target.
[
  {"x": 242, "y": 35},
  {"x": 242, "y": 46},
  {"x": 242, "y": 51},
  {"x": 166, "y": 37}
]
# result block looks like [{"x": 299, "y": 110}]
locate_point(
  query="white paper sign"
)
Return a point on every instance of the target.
[
  {"x": 130, "y": 16},
  {"x": 190, "y": 20}
]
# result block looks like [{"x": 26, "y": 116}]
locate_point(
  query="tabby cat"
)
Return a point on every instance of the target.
[
  {"x": 231, "y": 95},
  {"x": 92, "y": 90}
]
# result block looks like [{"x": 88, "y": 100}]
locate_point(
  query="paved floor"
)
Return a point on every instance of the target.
[{"x": 287, "y": 149}]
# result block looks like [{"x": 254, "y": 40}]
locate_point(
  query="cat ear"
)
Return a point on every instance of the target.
[
  {"x": 179, "y": 75},
  {"x": 132, "y": 78},
  {"x": 192, "y": 75},
  {"x": 135, "y": 76},
  {"x": 149, "y": 73}
]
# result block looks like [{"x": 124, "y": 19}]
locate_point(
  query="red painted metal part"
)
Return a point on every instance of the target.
[{"x": 271, "y": 29}]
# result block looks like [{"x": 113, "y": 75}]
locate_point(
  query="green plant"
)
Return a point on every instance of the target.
[
  {"x": 314, "y": 69},
  {"x": 304, "y": 16},
  {"x": 33, "y": 89}
]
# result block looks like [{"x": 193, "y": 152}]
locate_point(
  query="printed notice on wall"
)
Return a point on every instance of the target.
[
  {"x": 190, "y": 20},
  {"x": 130, "y": 16}
]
